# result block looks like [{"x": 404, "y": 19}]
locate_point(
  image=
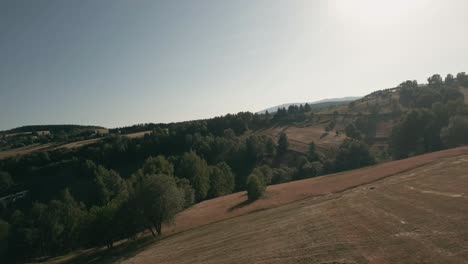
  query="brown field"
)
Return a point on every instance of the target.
[
  {"x": 48, "y": 146},
  {"x": 91, "y": 141},
  {"x": 420, "y": 216},
  {"x": 79, "y": 143},
  {"x": 24, "y": 150},
  {"x": 300, "y": 137},
  {"x": 137, "y": 134},
  {"x": 409, "y": 211},
  {"x": 236, "y": 204}
]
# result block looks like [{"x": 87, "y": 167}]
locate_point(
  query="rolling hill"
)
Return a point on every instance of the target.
[
  {"x": 407, "y": 211},
  {"x": 317, "y": 105}
]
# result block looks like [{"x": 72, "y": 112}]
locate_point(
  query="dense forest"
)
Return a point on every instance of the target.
[{"x": 65, "y": 199}]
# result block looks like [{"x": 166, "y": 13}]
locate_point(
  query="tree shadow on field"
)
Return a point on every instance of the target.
[
  {"x": 240, "y": 205},
  {"x": 122, "y": 251}
]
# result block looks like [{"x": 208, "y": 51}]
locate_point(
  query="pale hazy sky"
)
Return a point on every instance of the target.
[{"x": 114, "y": 63}]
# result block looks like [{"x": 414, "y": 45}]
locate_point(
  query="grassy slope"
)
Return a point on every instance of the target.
[{"x": 322, "y": 219}]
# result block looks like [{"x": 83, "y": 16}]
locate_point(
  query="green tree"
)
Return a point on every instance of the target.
[
  {"x": 5, "y": 182},
  {"x": 282, "y": 145},
  {"x": 455, "y": 134},
  {"x": 353, "y": 154},
  {"x": 312, "y": 152},
  {"x": 462, "y": 79},
  {"x": 195, "y": 169},
  {"x": 255, "y": 187},
  {"x": 4, "y": 232},
  {"x": 187, "y": 190},
  {"x": 221, "y": 180},
  {"x": 352, "y": 132},
  {"x": 309, "y": 169},
  {"x": 435, "y": 80},
  {"x": 449, "y": 80},
  {"x": 417, "y": 133},
  {"x": 160, "y": 200},
  {"x": 270, "y": 147},
  {"x": 109, "y": 185},
  {"x": 158, "y": 165},
  {"x": 102, "y": 229}
]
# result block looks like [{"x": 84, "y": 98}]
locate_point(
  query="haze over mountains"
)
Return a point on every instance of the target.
[{"x": 315, "y": 105}]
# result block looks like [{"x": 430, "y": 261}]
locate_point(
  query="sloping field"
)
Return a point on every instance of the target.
[
  {"x": 38, "y": 147},
  {"x": 24, "y": 150},
  {"x": 300, "y": 137},
  {"x": 418, "y": 215}
]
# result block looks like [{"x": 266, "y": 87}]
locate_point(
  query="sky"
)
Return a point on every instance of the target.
[{"x": 115, "y": 63}]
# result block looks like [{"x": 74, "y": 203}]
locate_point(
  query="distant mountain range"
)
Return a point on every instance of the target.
[{"x": 315, "y": 105}]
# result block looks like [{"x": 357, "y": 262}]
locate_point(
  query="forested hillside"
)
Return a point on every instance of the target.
[{"x": 63, "y": 199}]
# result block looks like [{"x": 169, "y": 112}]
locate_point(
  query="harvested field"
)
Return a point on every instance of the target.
[
  {"x": 24, "y": 150},
  {"x": 137, "y": 134},
  {"x": 300, "y": 137},
  {"x": 80, "y": 143},
  {"x": 94, "y": 140},
  {"x": 418, "y": 215}
]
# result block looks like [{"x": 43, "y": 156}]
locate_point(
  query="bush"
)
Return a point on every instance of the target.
[
  {"x": 255, "y": 187},
  {"x": 353, "y": 154},
  {"x": 456, "y": 132},
  {"x": 4, "y": 227}
]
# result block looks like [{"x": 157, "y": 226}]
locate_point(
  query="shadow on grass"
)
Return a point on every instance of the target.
[
  {"x": 119, "y": 252},
  {"x": 240, "y": 205}
]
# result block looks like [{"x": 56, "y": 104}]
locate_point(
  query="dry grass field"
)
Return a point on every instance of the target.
[
  {"x": 48, "y": 146},
  {"x": 24, "y": 150},
  {"x": 408, "y": 211},
  {"x": 419, "y": 215},
  {"x": 300, "y": 137}
]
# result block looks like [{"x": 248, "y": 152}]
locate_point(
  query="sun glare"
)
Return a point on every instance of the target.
[{"x": 376, "y": 12}]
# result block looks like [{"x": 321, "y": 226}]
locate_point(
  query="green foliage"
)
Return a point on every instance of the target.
[
  {"x": 353, "y": 154},
  {"x": 456, "y": 133},
  {"x": 270, "y": 147},
  {"x": 157, "y": 165},
  {"x": 221, "y": 180},
  {"x": 449, "y": 80},
  {"x": 6, "y": 182},
  {"x": 283, "y": 145},
  {"x": 462, "y": 79},
  {"x": 264, "y": 172},
  {"x": 352, "y": 132},
  {"x": 308, "y": 169},
  {"x": 417, "y": 133},
  {"x": 255, "y": 187},
  {"x": 414, "y": 96},
  {"x": 160, "y": 200},
  {"x": 435, "y": 80},
  {"x": 187, "y": 190},
  {"x": 312, "y": 154},
  {"x": 102, "y": 227},
  {"x": 109, "y": 184},
  {"x": 4, "y": 232},
  {"x": 282, "y": 175},
  {"x": 195, "y": 169}
]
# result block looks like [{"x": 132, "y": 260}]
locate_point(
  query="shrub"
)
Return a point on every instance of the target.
[{"x": 255, "y": 187}]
